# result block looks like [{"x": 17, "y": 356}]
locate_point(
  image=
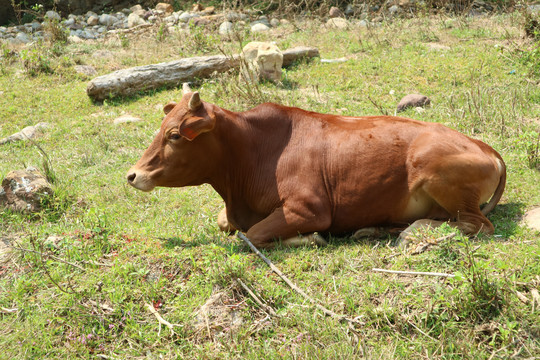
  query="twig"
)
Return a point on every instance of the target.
[
  {"x": 378, "y": 106},
  {"x": 292, "y": 285},
  {"x": 257, "y": 300},
  {"x": 48, "y": 255},
  {"x": 160, "y": 319},
  {"x": 9, "y": 311},
  {"x": 413, "y": 273}
]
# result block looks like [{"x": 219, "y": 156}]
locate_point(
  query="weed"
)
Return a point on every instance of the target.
[
  {"x": 36, "y": 61},
  {"x": 529, "y": 142}
]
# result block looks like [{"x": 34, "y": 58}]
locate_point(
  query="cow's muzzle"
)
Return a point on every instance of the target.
[{"x": 139, "y": 180}]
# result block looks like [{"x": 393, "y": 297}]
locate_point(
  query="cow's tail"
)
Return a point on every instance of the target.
[{"x": 499, "y": 191}]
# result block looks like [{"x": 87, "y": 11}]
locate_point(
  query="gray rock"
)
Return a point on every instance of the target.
[
  {"x": 69, "y": 22},
  {"x": 105, "y": 54},
  {"x": 85, "y": 70},
  {"x": 29, "y": 132},
  {"x": 362, "y": 23},
  {"x": 185, "y": 16},
  {"x": 22, "y": 38},
  {"x": 335, "y": 12},
  {"x": 135, "y": 8},
  {"x": 75, "y": 39},
  {"x": 134, "y": 20},
  {"x": 337, "y": 23},
  {"x": 532, "y": 219},
  {"x": 53, "y": 15},
  {"x": 260, "y": 27},
  {"x": 233, "y": 16},
  {"x": 92, "y": 20},
  {"x": 107, "y": 20},
  {"x": 172, "y": 19},
  {"x": 89, "y": 14},
  {"x": 349, "y": 10},
  {"x": 413, "y": 100},
  {"x": 36, "y": 26},
  {"x": 275, "y": 22},
  {"x": 24, "y": 191},
  {"x": 226, "y": 28},
  {"x": 126, "y": 119}
]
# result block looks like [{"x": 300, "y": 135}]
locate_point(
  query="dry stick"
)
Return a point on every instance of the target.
[
  {"x": 9, "y": 311},
  {"x": 257, "y": 300},
  {"x": 48, "y": 255},
  {"x": 292, "y": 285},
  {"x": 413, "y": 273},
  {"x": 160, "y": 319}
]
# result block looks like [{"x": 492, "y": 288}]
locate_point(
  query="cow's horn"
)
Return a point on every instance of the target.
[
  {"x": 195, "y": 101},
  {"x": 185, "y": 88}
]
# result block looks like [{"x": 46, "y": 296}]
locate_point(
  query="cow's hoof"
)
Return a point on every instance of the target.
[
  {"x": 307, "y": 240},
  {"x": 369, "y": 232}
]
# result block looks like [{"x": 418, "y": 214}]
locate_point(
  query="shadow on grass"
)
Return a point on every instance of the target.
[{"x": 505, "y": 218}]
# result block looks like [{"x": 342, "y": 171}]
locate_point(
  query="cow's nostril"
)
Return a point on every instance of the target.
[{"x": 131, "y": 177}]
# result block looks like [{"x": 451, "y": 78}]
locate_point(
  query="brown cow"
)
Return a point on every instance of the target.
[{"x": 285, "y": 172}]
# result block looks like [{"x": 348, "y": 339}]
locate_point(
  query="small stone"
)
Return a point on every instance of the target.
[
  {"x": 185, "y": 16},
  {"x": 275, "y": 22},
  {"x": 284, "y": 22},
  {"x": 259, "y": 27},
  {"x": 107, "y": 20},
  {"x": 197, "y": 7},
  {"x": 362, "y": 23},
  {"x": 209, "y": 10},
  {"x": 126, "y": 119},
  {"x": 36, "y": 26},
  {"x": 136, "y": 8},
  {"x": 85, "y": 70},
  {"x": 532, "y": 219},
  {"x": 75, "y": 39},
  {"x": 22, "y": 38},
  {"x": 413, "y": 100},
  {"x": 166, "y": 8},
  {"x": 69, "y": 22},
  {"x": 53, "y": 15},
  {"x": 233, "y": 16},
  {"x": 135, "y": 20},
  {"x": 337, "y": 23},
  {"x": 23, "y": 191},
  {"x": 226, "y": 28},
  {"x": 335, "y": 12},
  {"x": 92, "y": 20}
]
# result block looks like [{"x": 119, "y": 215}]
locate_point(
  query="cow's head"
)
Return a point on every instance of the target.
[{"x": 178, "y": 156}]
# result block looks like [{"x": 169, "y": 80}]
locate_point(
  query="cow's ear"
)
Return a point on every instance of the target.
[
  {"x": 195, "y": 126},
  {"x": 167, "y": 108}
]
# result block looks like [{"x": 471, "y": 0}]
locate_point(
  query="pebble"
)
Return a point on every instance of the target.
[
  {"x": 53, "y": 15},
  {"x": 260, "y": 27},
  {"x": 226, "y": 28}
]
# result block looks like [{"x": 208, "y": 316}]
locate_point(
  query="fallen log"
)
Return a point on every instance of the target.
[{"x": 129, "y": 81}]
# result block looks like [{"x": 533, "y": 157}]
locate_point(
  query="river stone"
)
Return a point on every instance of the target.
[
  {"x": 24, "y": 190},
  {"x": 53, "y": 15},
  {"x": 335, "y": 12},
  {"x": 532, "y": 219},
  {"x": 92, "y": 20},
  {"x": 413, "y": 100},
  {"x": 264, "y": 61},
  {"x": 337, "y": 23},
  {"x": 135, "y": 20},
  {"x": 85, "y": 70},
  {"x": 166, "y": 8},
  {"x": 107, "y": 20},
  {"x": 260, "y": 27},
  {"x": 28, "y": 132},
  {"x": 226, "y": 28}
]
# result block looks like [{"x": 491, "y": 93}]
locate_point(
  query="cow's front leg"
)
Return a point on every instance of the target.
[
  {"x": 223, "y": 222},
  {"x": 289, "y": 225}
]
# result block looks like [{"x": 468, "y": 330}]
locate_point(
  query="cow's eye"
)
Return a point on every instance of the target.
[{"x": 174, "y": 136}]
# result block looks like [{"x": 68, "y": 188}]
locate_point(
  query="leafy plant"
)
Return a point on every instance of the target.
[{"x": 36, "y": 61}]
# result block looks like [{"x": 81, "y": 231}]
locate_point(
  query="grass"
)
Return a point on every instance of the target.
[{"x": 164, "y": 248}]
